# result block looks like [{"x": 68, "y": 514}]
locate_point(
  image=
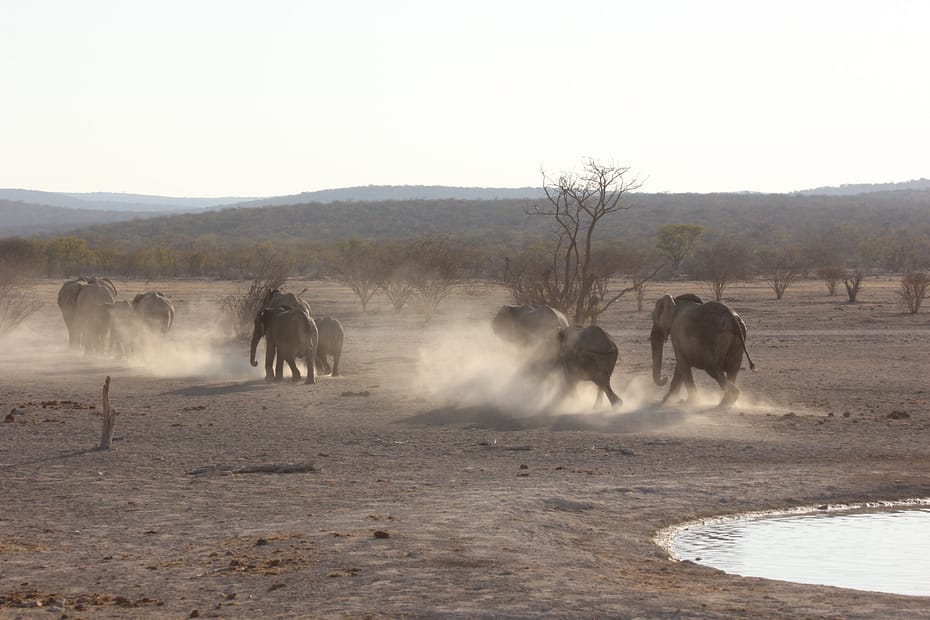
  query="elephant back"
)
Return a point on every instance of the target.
[
  {"x": 277, "y": 297},
  {"x": 527, "y": 324}
]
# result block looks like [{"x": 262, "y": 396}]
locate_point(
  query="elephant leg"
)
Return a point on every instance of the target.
[
  {"x": 611, "y": 395},
  {"x": 311, "y": 375},
  {"x": 269, "y": 361},
  {"x": 279, "y": 367},
  {"x": 730, "y": 392},
  {"x": 675, "y": 384},
  {"x": 336, "y": 355},
  {"x": 688, "y": 379},
  {"x": 295, "y": 371}
]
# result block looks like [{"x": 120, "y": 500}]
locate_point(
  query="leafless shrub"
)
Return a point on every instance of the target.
[
  {"x": 360, "y": 266},
  {"x": 240, "y": 308},
  {"x": 831, "y": 276},
  {"x": 437, "y": 273},
  {"x": 780, "y": 266},
  {"x": 719, "y": 264},
  {"x": 913, "y": 290},
  {"x": 17, "y": 301},
  {"x": 853, "y": 283}
]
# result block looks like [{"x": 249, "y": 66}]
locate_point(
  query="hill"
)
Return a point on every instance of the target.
[
  {"x": 23, "y": 219},
  {"x": 753, "y": 215},
  {"x": 108, "y": 201}
]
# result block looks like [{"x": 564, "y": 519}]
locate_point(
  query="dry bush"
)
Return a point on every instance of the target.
[
  {"x": 17, "y": 301},
  {"x": 853, "y": 283},
  {"x": 241, "y": 308},
  {"x": 831, "y": 276},
  {"x": 913, "y": 290}
]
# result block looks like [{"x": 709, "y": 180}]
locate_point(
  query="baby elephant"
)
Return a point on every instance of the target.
[
  {"x": 588, "y": 354},
  {"x": 330, "y": 344}
]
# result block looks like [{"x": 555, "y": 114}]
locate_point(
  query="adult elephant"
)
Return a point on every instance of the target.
[
  {"x": 526, "y": 324},
  {"x": 154, "y": 310},
  {"x": 276, "y": 297},
  {"x": 289, "y": 333},
  {"x": 707, "y": 336},
  {"x": 589, "y": 354},
  {"x": 68, "y": 304},
  {"x": 331, "y": 337},
  {"x": 90, "y": 316}
]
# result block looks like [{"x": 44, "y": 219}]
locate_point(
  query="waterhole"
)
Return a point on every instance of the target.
[{"x": 884, "y": 550}]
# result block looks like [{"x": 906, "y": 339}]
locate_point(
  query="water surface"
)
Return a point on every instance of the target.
[{"x": 881, "y": 551}]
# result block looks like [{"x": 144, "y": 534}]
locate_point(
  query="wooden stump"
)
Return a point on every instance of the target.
[{"x": 109, "y": 418}]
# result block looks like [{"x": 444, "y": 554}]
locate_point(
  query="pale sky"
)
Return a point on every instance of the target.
[{"x": 260, "y": 98}]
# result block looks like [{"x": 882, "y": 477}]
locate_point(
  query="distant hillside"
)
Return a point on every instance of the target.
[
  {"x": 866, "y": 188},
  {"x": 755, "y": 215},
  {"x": 21, "y": 219},
  {"x": 105, "y": 201},
  {"x": 380, "y": 193}
]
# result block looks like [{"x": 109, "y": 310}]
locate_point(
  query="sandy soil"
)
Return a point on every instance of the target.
[{"x": 441, "y": 485}]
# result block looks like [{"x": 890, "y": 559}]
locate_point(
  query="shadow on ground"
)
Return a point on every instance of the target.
[{"x": 492, "y": 417}]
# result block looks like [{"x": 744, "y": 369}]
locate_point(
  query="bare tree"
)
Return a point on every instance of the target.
[
  {"x": 577, "y": 203},
  {"x": 398, "y": 269},
  {"x": 17, "y": 301},
  {"x": 720, "y": 263},
  {"x": 853, "y": 282},
  {"x": 241, "y": 308},
  {"x": 831, "y": 276},
  {"x": 359, "y": 265},
  {"x": 437, "y": 269},
  {"x": 780, "y": 266},
  {"x": 913, "y": 290}
]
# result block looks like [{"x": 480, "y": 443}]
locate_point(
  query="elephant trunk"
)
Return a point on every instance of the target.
[
  {"x": 257, "y": 334},
  {"x": 657, "y": 340}
]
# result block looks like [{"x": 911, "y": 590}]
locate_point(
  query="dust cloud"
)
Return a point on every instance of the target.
[
  {"x": 475, "y": 378},
  {"x": 196, "y": 346}
]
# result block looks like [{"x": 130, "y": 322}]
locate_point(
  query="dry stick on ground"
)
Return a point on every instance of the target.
[
  {"x": 109, "y": 418},
  {"x": 264, "y": 468}
]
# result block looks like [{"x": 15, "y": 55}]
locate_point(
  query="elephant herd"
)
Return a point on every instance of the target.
[
  {"x": 100, "y": 324},
  {"x": 707, "y": 336}
]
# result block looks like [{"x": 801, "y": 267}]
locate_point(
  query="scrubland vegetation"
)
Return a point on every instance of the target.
[{"x": 590, "y": 240}]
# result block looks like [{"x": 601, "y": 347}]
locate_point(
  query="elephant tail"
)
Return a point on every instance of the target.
[{"x": 741, "y": 330}]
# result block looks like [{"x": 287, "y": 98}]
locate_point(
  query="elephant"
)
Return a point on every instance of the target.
[
  {"x": 330, "y": 341},
  {"x": 155, "y": 310},
  {"x": 276, "y": 297},
  {"x": 123, "y": 327},
  {"x": 589, "y": 354},
  {"x": 68, "y": 304},
  {"x": 707, "y": 336},
  {"x": 526, "y": 324},
  {"x": 289, "y": 333}
]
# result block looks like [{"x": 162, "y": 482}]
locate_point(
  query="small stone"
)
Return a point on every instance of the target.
[{"x": 381, "y": 534}]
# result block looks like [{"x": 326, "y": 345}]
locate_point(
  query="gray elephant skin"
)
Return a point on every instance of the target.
[
  {"x": 331, "y": 337},
  {"x": 707, "y": 336},
  {"x": 121, "y": 321},
  {"x": 526, "y": 324},
  {"x": 277, "y": 297},
  {"x": 154, "y": 310},
  {"x": 289, "y": 333},
  {"x": 588, "y": 354},
  {"x": 82, "y": 303}
]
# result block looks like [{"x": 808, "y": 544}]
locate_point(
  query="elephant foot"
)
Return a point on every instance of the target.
[
  {"x": 295, "y": 378},
  {"x": 729, "y": 397},
  {"x": 310, "y": 380},
  {"x": 269, "y": 378},
  {"x": 335, "y": 373}
]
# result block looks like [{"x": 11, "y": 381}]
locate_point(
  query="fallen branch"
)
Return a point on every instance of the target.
[{"x": 264, "y": 468}]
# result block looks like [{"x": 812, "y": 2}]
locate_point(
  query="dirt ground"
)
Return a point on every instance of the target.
[{"x": 442, "y": 485}]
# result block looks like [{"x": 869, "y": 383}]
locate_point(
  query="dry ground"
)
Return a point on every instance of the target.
[{"x": 441, "y": 486}]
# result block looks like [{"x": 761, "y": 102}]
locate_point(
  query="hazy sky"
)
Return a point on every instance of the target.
[{"x": 251, "y": 98}]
